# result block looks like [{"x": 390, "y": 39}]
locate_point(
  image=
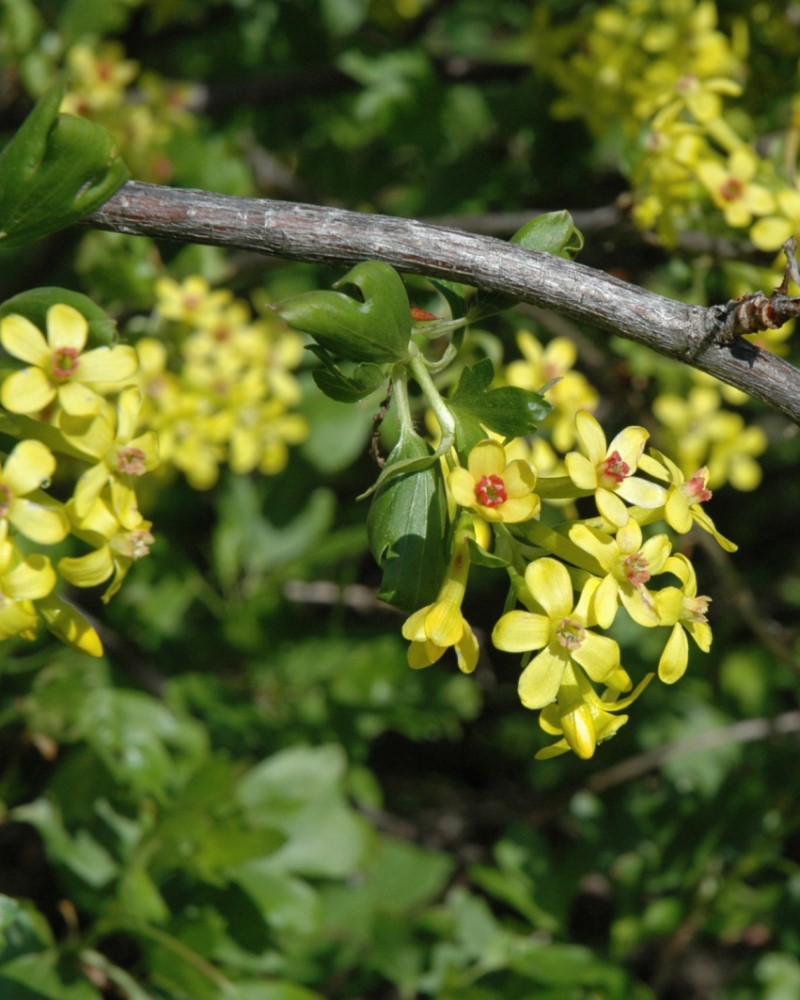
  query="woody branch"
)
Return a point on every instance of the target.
[{"x": 707, "y": 339}]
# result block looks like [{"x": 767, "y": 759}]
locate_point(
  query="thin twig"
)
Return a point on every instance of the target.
[{"x": 745, "y": 731}]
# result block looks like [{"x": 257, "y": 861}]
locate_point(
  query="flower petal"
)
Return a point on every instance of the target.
[
  {"x": 540, "y": 680},
  {"x": 423, "y": 654},
  {"x": 30, "y": 465},
  {"x": 89, "y": 570},
  {"x": 109, "y": 364},
  {"x": 581, "y": 471},
  {"x": 516, "y": 510},
  {"x": 598, "y": 655},
  {"x": 629, "y": 444},
  {"x": 521, "y": 631},
  {"x": 27, "y": 391},
  {"x": 23, "y": 340},
  {"x": 487, "y": 458},
  {"x": 30, "y": 579},
  {"x": 599, "y": 544},
  {"x": 592, "y": 437},
  {"x": 444, "y": 623},
  {"x": 70, "y": 626},
  {"x": 467, "y": 651},
  {"x": 519, "y": 478},
  {"x": 674, "y": 659},
  {"x": 641, "y": 492},
  {"x": 611, "y": 508},
  {"x": 66, "y": 328},
  {"x": 462, "y": 487},
  {"x": 79, "y": 400},
  {"x": 42, "y": 524},
  {"x": 549, "y": 582}
]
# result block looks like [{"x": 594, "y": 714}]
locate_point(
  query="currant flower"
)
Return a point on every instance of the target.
[
  {"x": 561, "y": 634},
  {"x": 191, "y": 301},
  {"x": 116, "y": 546},
  {"x": 29, "y": 467},
  {"x": 582, "y": 718},
  {"x": 686, "y": 612},
  {"x": 59, "y": 369},
  {"x": 23, "y": 580},
  {"x": 608, "y": 470},
  {"x": 682, "y": 508},
  {"x": 493, "y": 488},
  {"x": 731, "y": 189},
  {"x": 435, "y": 628},
  {"x": 629, "y": 565},
  {"x": 68, "y": 624},
  {"x": 121, "y": 456}
]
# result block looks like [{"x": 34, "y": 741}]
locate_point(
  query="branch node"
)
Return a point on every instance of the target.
[{"x": 752, "y": 313}]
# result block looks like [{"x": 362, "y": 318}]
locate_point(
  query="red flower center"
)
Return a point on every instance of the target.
[
  {"x": 695, "y": 489},
  {"x": 491, "y": 491},
  {"x": 132, "y": 461},
  {"x": 6, "y": 496},
  {"x": 66, "y": 361},
  {"x": 732, "y": 189},
  {"x": 613, "y": 469},
  {"x": 637, "y": 569},
  {"x": 570, "y": 633}
]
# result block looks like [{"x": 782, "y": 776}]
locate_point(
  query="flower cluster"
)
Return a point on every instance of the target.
[
  {"x": 658, "y": 77},
  {"x": 226, "y": 392},
  {"x": 84, "y": 423},
  {"x": 78, "y": 402},
  {"x": 574, "y": 579},
  {"x": 141, "y": 110}
]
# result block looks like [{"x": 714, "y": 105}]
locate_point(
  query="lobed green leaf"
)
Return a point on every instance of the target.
[{"x": 55, "y": 170}]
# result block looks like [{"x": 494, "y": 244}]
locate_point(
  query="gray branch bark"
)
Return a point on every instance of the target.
[{"x": 340, "y": 238}]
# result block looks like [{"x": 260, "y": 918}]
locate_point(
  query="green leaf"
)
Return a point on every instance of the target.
[
  {"x": 54, "y": 171},
  {"x": 22, "y": 929},
  {"x": 344, "y": 388},
  {"x": 287, "y": 904},
  {"x": 406, "y": 528},
  {"x": 38, "y": 977},
  {"x": 554, "y": 232},
  {"x": 509, "y": 411},
  {"x": 33, "y": 305},
  {"x": 300, "y": 792},
  {"x": 82, "y": 854},
  {"x": 374, "y": 327}
]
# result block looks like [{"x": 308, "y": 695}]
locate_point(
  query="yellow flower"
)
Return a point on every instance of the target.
[
  {"x": 191, "y": 301},
  {"x": 608, "y": 471},
  {"x": 560, "y": 633},
  {"x": 116, "y": 547},
  {"x": 629, "y": 565},
  {"x": 731, "y": 188},
  {"x": 682, "y": 509},
  {"x": 494, "y": 489},
  {"x": 122, "y": 458},
  {"x": 582, "y": 718},
  {"x": 435, "y": 628},
  {"x": 570, "y": 392},
  {"x": 23, "y": 580},
  {"x": 59, "y": 367},
  {"x": 771, "y": 232},
  {"x": 69, "y": 625},
  {"x": 686, "y": 612},
  {"x": 29, "y": 467},
  {"x": 98, "y": 79}
]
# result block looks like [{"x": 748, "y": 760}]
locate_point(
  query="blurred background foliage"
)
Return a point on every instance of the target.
[{"x": 252, "y": 796}]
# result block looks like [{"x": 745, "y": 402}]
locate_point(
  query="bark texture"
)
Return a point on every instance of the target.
[{"x": 341, "y": 238}]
